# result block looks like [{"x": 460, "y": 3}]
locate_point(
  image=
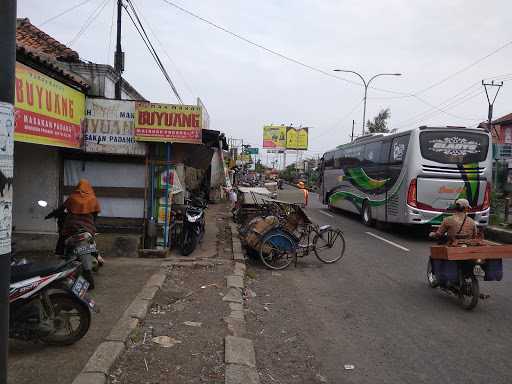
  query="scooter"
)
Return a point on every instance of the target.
[
  {"x": 49, "y": 302},
  {"x": 193, "y": 225}
]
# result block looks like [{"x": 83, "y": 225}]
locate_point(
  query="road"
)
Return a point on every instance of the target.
[{"x": 374, "y": 310}]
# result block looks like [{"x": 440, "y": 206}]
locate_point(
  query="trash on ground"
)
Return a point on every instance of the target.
[
  {"x": 291, "y": 339},
  {"x": 266, "y": 308},
  {"x": 248, "y": 292},
  {"x": 165, "y": 341},
  {"x": 321, "y": 378},
  {"x": 193, "y": 323},
  {"x": 349, "y": 367},
  {"x": 146, "y": 364}
]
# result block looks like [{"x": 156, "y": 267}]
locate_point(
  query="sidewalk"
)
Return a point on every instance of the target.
[{"x": 493, "y": 232}]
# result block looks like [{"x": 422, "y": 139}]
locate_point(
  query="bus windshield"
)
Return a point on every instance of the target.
[{"x": 454, "y": 147}]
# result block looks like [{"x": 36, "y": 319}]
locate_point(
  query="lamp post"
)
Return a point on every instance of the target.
[{"x": 366, "y": 85}]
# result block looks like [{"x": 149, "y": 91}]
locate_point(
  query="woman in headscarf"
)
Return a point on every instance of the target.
[{"x": 82, "y": 208}]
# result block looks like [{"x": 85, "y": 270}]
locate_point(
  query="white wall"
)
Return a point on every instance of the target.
[{"x": 36, "y": 177}]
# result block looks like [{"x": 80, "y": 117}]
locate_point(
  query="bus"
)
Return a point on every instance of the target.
[{"x": 410, "y": 177}]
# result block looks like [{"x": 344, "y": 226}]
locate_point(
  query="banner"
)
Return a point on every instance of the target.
[
  {"x": 47, "y": 111},
  {"x": 109, "y": 127},
  {"x": 297, "y": 138},
  {"x": 168, "y": 123},
  {"x": 252, "y": 150},
  {"x": 6, "y": 175},
  {"x": 274, "y": 136}
]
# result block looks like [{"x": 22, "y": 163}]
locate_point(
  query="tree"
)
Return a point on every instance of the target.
[
  {"x": 379, "y": 123},
  {"x": 258, "y": 167}
]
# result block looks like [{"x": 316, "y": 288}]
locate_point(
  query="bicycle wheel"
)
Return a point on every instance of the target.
[
  {"x": 329, "y": 246},
  {"x": 277, "y": 251}
]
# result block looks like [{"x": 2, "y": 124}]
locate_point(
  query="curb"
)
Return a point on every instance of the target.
[
  {"x": 104, "y": 357},
  {"x": 239, "y": 354},
  {"x": 498, "y": 234}
]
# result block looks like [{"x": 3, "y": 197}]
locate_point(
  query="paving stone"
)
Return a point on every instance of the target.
[
  {"x": 235, "y": 281},
  {"x": 239, "y": 350},
  {"x": 157, "y": 280},
  {"x": 240, "y": 266},
  {"x": 235, "y": 326},
  {"x": 238, "y": 256},
  {"x": 240, "y": 374},
  {"x": 234, "y": 296},
  {"x": 239, "y": 315},
  {"x": 91, "y": 378},
  {"x": 148, "y": 293},
  {"x": 236, "y": 306},
  {"x": 138, "y": 308},
  {"x": 123, "y": 329},
  {"x": 104, "y": 357}
]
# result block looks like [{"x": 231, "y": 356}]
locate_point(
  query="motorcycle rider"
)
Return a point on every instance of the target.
[
  {"x": 301, "y": 186},
  {"x": 78, "y": 214},
  {"x": 457, "y": 226}
]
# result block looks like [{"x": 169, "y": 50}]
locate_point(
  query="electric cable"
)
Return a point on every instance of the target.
[
  {"x": 63, "y": 13},
  {"x": 152, "y": 51},
  {"x": 93, "y": 16}
]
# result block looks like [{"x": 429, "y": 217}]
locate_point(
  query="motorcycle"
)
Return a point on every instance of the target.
[
  {"x": 193, "y": 225},
  {"x": 80, "y": 246},
  {"x": 49, "y": 303},
  {"x": 457, "y": 269}
]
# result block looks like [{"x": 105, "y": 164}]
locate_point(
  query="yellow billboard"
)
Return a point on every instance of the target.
[
  {"x": 47, "y": 111},
  {"x": 274, "y": 136},
  {"x": 297, "y": 138}
]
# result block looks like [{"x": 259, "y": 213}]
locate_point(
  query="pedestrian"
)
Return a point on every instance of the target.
[{"x": 301, "y": 186}]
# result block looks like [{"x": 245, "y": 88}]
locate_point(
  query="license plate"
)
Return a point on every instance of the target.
[
  {"x": 80, "y": 287},
  {"x": 89, "y": 248}
]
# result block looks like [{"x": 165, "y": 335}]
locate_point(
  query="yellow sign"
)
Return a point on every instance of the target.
[
  {"x": 297, "y": 138},
  {"x": 168, "y": 123},
  {"x": 47, "y": 111},
  {"x": 274, "y": 136}
]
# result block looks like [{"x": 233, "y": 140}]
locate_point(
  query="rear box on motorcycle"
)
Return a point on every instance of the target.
[{"x": 445, "y": 270}]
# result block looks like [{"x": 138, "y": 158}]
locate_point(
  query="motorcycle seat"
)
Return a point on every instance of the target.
[{"x": 27, "y": 271}]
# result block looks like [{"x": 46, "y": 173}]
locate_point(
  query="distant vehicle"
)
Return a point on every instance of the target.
[{"x": 411, "y": 177}]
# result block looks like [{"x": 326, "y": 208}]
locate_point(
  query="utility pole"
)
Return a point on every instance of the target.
[
  {"x": 497, "y": 85},
  {"x": 119, "y": 54},
  {"x": 7, "y": 73},
  {"x": 352, "y": 135}
]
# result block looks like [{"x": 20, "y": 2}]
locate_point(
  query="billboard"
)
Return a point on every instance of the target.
[
  {"x": 274, "y": 136},
  {"x": 297, "y": 138},
  {"x": 168, "y": 123},
  {"x": 47, "y": 111},
  {"x": 109, "y": 127}
]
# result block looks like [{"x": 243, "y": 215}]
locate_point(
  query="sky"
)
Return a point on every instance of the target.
[{"x": 443, "y": 49}]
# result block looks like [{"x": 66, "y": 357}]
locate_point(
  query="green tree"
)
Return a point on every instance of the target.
[
  {"x": 379, "y": 123},
  {"x": 258, "y": 167}
]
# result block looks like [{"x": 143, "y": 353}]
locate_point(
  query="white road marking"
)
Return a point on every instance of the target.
[
  {"x": 325, "y": 213},
  {"x": 493, "y": 242},
  {"x": 388, "y": 241}
]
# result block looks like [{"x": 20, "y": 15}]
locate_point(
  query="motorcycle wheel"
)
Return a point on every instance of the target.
[
  {"x": 189, "y": 243},
  {"x": 469, "y": 292},
  {"x": 431, "y": 278},
  {"x": 71, "y": 322}
]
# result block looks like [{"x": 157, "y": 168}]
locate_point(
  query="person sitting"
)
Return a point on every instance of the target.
[{"x": 457, "y": 226}]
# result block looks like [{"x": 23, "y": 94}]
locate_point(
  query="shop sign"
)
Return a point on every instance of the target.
[
  {"x": 274, "y": 136},
  {"x": 47, "y": 111},
  {"x": 6, "y": 175},
  {"x": 168, "y": 123},
  {"x": 109, "y": 127}
]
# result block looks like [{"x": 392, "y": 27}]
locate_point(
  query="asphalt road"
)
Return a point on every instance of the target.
[{"x": 375, "y": 311}]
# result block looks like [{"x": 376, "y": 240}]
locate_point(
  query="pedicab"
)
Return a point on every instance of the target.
[{"x": 286, "y": 233}]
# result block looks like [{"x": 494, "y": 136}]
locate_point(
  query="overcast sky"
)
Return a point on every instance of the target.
[{"x": 245, "y": 87}]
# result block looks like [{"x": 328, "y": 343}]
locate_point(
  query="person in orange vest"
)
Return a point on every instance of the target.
[{"x": 304, "y": 191}]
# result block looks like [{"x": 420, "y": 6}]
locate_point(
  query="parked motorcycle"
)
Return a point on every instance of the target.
[
  {"x": 193, "y": 225},
  {"x": 49, "y": 302}
]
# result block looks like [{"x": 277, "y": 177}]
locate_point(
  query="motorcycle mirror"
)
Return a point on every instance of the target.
[{"x": 42, "y": 203}]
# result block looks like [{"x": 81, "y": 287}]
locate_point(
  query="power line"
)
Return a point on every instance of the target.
[
  {"x": 155, "y": 35},
  {"x": 273, "y": 52},
  {"x": 93, "y": 16},
  {"x": 150, "y": 47},
  {"x": 63, "y": 13}
]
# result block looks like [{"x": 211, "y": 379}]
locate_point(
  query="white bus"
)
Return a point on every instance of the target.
[{"x": 411, "y": 177}]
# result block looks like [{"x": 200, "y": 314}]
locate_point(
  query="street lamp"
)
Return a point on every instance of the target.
[{"x": 366, "y": 85}]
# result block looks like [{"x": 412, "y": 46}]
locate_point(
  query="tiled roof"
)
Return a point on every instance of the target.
[
  {"x": 30, "y": 37},
  {"x": 504, "y": 119}
]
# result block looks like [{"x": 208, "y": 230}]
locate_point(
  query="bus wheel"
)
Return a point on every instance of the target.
[{"x": 366, "y": 215}]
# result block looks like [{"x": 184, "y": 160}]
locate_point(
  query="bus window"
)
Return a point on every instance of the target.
[
  {"x": 399, "y": 149},
  {"x": 329, "y": 160},
  {"x": 384, "y": 152},
  {"x": 338, "y": 159},
  {"x": 371, "y": 153},
  {"x": 452, "y": 147}
]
